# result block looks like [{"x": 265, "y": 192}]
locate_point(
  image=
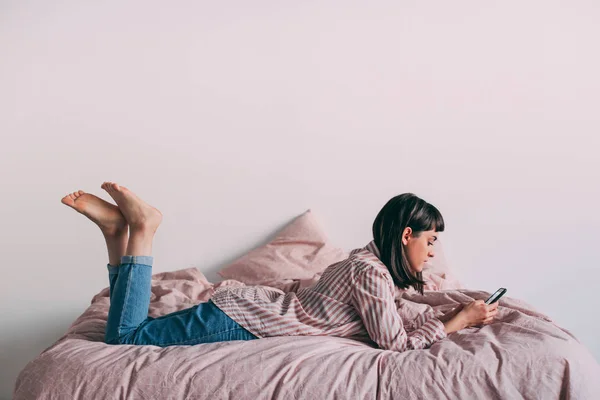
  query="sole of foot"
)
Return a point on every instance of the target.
[
  {"x": 139, "y": 215},
  {"x": 107, "y": 216}
]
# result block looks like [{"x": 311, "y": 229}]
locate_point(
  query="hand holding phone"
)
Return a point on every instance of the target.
[{"x": 479, "y": 313}]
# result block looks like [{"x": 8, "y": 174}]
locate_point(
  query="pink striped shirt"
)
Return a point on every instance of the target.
[{"x": 354, "y": 298}]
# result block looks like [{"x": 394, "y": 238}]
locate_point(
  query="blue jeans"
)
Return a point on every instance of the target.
[{"x": 129, "y": 323}]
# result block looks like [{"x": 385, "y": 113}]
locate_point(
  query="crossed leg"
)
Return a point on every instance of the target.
[
  {"x": 130, "y": 275},
  {"x": 130, "y": 260}
]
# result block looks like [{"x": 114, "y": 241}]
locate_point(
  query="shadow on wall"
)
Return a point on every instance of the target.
[{"x": 22, "y": 341}]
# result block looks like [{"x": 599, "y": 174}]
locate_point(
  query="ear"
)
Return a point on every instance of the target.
[{"x": 406, "y": 235}]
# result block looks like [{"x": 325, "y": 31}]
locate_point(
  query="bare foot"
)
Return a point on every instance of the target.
[
  {"x": 107, "y": 216},
  {"x": 138, "y": 214}
]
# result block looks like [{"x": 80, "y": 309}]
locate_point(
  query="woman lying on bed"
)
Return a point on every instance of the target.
[{"x": 354, "y": 298}]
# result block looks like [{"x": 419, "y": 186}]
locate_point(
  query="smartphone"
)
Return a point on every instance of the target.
[{"x": 496, "y": 296}]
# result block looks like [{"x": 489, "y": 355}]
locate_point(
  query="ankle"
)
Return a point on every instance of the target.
[
  {"x": 140, "y": 242},
  {"x": 142, "y": 230}
]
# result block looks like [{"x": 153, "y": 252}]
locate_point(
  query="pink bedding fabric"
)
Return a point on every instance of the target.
[{"x": 523, "y": 355}]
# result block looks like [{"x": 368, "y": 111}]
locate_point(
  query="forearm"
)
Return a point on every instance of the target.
[
  {"x": 430, "y": 332},
  {"x": 456, "y": 323}
]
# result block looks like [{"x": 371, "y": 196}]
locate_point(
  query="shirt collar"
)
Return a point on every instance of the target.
[{"x": 371, "y": 247}]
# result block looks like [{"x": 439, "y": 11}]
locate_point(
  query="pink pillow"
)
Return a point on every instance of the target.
[{"x": 300, "y": 251}]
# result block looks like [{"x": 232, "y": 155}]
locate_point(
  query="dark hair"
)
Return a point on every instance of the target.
[{"x": 400, "y": 212}]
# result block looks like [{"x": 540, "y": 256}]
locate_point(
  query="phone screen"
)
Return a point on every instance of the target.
[{"x": 496, "y": 296}]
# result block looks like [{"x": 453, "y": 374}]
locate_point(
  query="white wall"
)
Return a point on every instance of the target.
[{"x": 234, "y": 117}]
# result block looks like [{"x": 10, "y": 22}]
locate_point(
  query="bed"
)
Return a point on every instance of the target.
[{"x": 522, "y": 355}]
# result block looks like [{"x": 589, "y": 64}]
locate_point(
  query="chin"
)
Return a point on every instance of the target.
[{"x": 418, "y": 269}]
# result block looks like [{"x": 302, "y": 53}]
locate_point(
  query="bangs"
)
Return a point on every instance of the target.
[{"x": 434, "y": 219}]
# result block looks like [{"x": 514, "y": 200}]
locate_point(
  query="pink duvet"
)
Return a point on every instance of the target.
[{"x": 523, "y": 355}]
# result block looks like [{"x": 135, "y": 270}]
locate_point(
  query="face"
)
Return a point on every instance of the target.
[{"x": 418, "y": 249}]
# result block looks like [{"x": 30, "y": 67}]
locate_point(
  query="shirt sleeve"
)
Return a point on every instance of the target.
[{"x": 373, "y": 298}]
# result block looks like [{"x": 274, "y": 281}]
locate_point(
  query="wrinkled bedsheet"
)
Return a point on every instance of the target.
[{"x": 523, "y": 355}]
